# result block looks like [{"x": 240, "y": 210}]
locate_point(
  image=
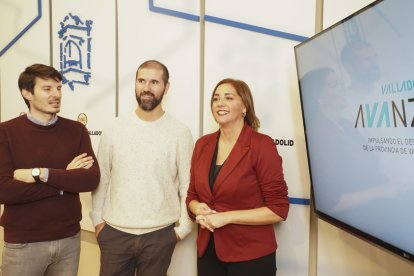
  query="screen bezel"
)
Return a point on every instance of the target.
[{"x": 320, "y": 214}]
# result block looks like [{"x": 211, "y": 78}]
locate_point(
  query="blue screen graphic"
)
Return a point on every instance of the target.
[{"x": 357, "y": 92}]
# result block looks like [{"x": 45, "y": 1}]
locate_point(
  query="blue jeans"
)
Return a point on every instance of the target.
[{"x": 51, "y": 258}]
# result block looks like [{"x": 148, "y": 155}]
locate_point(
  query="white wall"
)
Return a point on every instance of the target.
[{"x": 32, "y": 47}]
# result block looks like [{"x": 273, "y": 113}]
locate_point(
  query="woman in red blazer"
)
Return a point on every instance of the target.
[{"x": 237, "y": 189}]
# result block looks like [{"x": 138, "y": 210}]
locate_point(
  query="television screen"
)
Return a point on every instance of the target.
[{"x": 356, "y": 83}]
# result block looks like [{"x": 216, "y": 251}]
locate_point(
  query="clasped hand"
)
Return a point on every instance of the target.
[{"x": 210, "y": 219}]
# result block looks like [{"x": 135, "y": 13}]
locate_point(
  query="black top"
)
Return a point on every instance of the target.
[{"x": 214, "y": 169}]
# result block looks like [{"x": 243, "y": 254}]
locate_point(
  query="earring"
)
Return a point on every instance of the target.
[{"x": 244, "y": 114}]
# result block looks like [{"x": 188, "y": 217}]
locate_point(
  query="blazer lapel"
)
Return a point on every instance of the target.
[
  {"x": 239, "y": 150},
  {"x": 206, "y": 157}
]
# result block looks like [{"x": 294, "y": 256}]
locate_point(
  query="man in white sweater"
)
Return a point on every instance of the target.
[{"x": 138, "y": 209}]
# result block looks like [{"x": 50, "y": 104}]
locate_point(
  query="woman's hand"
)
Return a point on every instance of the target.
[
  {"x": 214, "y": 221},
  {"x": 202, "y": 209}
]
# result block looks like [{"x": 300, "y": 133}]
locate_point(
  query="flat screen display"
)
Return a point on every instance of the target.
[{"x": 356, "y": 83}]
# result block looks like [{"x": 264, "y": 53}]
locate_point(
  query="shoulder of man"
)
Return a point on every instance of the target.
[
  {"x": 14, "y": 123},
  {"x": 69, "y": 123},
  {"x": 177, "y": 124}
]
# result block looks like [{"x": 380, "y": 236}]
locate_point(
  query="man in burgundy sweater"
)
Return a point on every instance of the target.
[{"x": 45, "y": 162}]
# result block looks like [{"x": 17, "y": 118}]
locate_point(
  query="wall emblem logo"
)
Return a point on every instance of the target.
[
  {"x": 82, "y": 118},
  {"x": 75, "y": 50}
]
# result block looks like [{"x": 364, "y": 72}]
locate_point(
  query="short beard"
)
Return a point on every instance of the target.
[{"x": 148, "y": 105}]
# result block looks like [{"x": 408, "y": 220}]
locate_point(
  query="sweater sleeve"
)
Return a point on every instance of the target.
[
  {"x": 99, "y": 195},
  {"x": 77, "y": 180},
  {"x": 185, "y": 150},
  {"x": 13, "y": 191}
]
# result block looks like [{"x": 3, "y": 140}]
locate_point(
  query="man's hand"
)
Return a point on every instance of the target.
[
  {"x": 177, "y": 237},
  {"x": 24, "y": 175},
  {"x": 98, "y": 228},
  {"x": 82, "y": 161}
]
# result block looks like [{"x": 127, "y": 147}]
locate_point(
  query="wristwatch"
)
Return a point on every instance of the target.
[{"x": 36, "y": 174}]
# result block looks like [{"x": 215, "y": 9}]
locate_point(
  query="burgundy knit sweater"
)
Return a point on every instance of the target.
[{"x": 39, "y": 212}]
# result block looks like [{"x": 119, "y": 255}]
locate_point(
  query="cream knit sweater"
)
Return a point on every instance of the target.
[{"x": 145, "y": 173}]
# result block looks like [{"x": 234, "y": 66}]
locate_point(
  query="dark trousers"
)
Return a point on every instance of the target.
[
  {"x": 209, "y": 264},
  {"x": 124, "y": 254}
]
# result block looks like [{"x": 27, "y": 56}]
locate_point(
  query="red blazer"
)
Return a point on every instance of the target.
[{"x": 251, "y": 177}]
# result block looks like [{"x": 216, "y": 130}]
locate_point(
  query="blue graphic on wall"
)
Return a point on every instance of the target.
[{"x": 75, "y": 50}]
